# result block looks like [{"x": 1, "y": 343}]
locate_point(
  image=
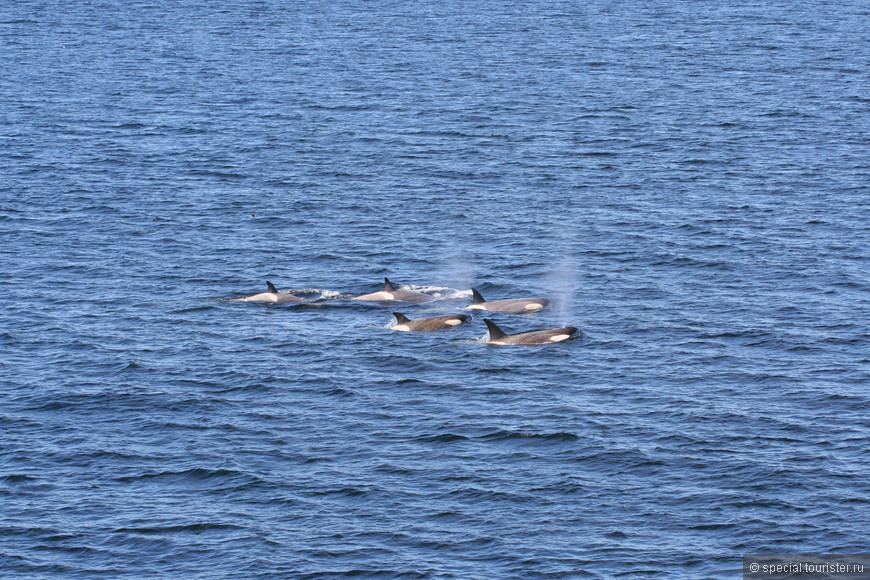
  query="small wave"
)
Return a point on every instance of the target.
[
  {"x": 189, "y": 309},
  {"x": 130, "y": 366},
  {"x": 17, "y": 478},
  {"x": 394, "y": 469},
  {"x": 503, "y": 435},
  {"x": 494, "y": 370},
  {"x": 713, "y": 527},
  {"x": 255, "y": 388},
  {"x": 442, "y": 438},
  {"x": 346, "y": 491},
  {"x": 488, "y": 495},
  {"x": 197, "y": 474},
  {"x": 194, "y": 528}
]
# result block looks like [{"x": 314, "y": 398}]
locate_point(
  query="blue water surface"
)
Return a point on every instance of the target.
[{"x": 689, "y": 182}]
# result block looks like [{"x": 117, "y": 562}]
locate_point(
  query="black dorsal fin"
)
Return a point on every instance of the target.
[
  {"x": 476, "y": 297},
  {"x": 271, "y": 287},
  {"x": 400, "y": 318},
  {"x": 388, "y": 286},
  {"x": 495, "y": 333}
]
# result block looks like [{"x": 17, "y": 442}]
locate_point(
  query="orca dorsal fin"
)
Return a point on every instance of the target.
[
  {"x": 495, "y": 333},
  {"x": 271, "y": 287},
  {"x": 400, "y": 318},
  {"x": 476, "y": 297},
  {"x": 388, "y": 286}
]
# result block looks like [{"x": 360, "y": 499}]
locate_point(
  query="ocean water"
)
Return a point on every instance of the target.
[{"x": 688, "y": 181}]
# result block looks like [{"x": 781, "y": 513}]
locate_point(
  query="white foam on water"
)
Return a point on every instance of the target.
[
  {"x": 439, "y": 292},
  {"x": 324, "y": 294}
]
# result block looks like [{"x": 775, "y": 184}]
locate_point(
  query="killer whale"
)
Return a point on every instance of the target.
[
  {"x": 510, "y": 306},
  {"x": 535, "y": 337},
  {"x": 391, "y": 294},
  {"x": 403, "y": 323},
  {"x": 271, "y": 295}
]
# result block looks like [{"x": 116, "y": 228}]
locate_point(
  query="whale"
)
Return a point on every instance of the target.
[
  {"x": 271, "y": 295},
  {"x": 535, "y": 337},
  {"x": 511, "y": 306},
  {"x": 391, "y": 294},
  {"x": 403, "y": 323}
]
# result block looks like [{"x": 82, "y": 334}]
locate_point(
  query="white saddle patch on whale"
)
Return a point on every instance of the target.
[{"x": 264, "y": 297}]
